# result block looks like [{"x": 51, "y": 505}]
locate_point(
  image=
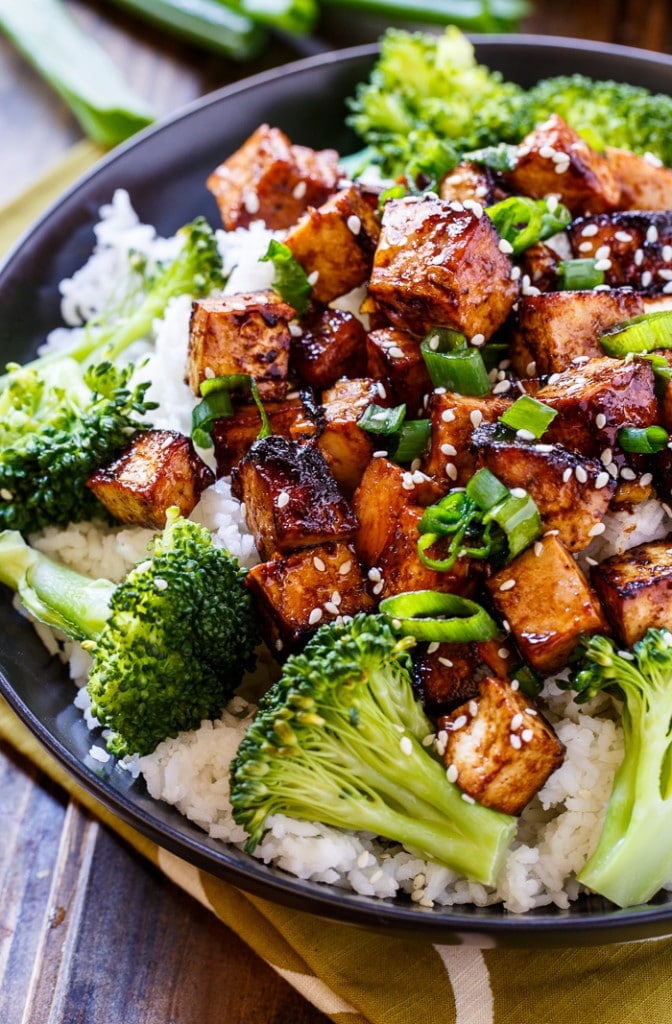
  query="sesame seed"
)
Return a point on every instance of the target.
[
  {"x": 596, "y": 530},
  {"x": 476, "y": 417},
  {"x": 581, "y": 475},
  {"x": 315, "y": 616},
  {"x": 516, "y": 722},
  {"x": 503, "y": 653},
  {"x": 547, "y": 152},
  {"x": 450, "y": 470},
  {"x": 538, "y": 548},
  {"x": 448, "y": 449},
  {"x": 161, "y": 584},
  {"x": 505, "y": 246},
  {"x": 638, "y": 257},
  {"x": 531, "y": 369},
  {"x": 645, "y": 479},
  {"x": 502, "y": 387},
  {"x": 312, "y": 278},
  {"x": 603, "y": 252},
  {"x": 331, "y": 608},
  {"x": 607, "y": 457},
  {"x": 319, "y": 564},
  {"x": 478, "y": 340},
  {"x": 515, "y": 685},
  {"x": 433, "y": 647},
  {"x": 473, "y": 708},
  {"x": 251, "y": 202},
  {"x": 446, "y": 662},
  {"x": 647, "y": 277},
  {"x": 395, "y": 352},
  {"x": 279, "y": 644},
  {"x": 603, "y": 264},
  {"x": 652, "y": 234},
  {"x": 561, "y": 166},
  {"x": 5, "y": 494},
  {"x": 507, "y": 585},
  {"x": 525, "y": 435},
  {"x": 601, "y": 480},
  {"x": 567, "y": 475},
  {"x": 589, "y": 230},
  {"x": 378, "y": 588},
  {"x": 354, "y": 224},
  {"x": 667, "y": 253},
  {"x": 345, "y": 568},
  {"x": 282, "y": 499},
  {"x": 374, "y": 574},
  {"x": 380, "y": 454},
  {"x": 468, "y": 799},
  {"x": 406, "y": 745},
  {"x": 600, "y": 420},
  {"x": 300, "y": 189},
  {"x": 452, "y": 773},
  {"x": 514, "y": 273},
  {"x": 527, "y": 735},
  {"x": 459, "y": 722},
  {"x": 628, "y": 474},
  {"x": 623, "y": 236},
  {"x": 515, "y": 741}
]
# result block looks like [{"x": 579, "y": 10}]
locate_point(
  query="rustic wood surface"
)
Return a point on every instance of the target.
[{"x": 79, "y": 910}]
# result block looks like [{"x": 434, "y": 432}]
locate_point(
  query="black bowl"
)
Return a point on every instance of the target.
[{"x": 164, "y": 170}]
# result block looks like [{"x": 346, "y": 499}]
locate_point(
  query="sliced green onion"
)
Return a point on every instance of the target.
[
  {"x": 518, "y": 516},
  {"x": 523, "y": 222},
  {"x": 216, "y": 404},
  {"x": 528, "y": 414},
  {"x": 472, "y": 15},
  {"x": 643, "y": 440},
  {"x": 452, "y": 364},
  {"x": 486, "y": 490},
  {"x": 456, "y": 516},
  {"x": 640, "y": 334},
  {"x": 210, "y": 24},
  {"x": 579, "y": 274},
  {"x": 377, "y": 419},
  {"x": 413, "y": 438},
  {"x": 290, "y": 279},
  {"x": 439, "y": 618}
]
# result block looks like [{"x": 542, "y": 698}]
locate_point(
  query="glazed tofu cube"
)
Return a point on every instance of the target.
[
  {"x": 499, "y": 748},
  {"x": 385, "y": 489},
  {"x": 451, "y": 459},
  {"x": 571, "y": 491},
  {"x": 547, "y": 602},
  {"x": 271, "y": 180},
  {"x": 645, "y": 183},
  {"x": 554, "y": 160},
  {"x": 633, "y": 248},
  {"x": 345, "y": 445},
  {"x": 335, "y": 243},
  {"x": 539, "y": 265},
  {"x": 331, "y": 344},
  {"x": 401, "y": 569},
  {"x": 158, "y": 469},
  {"x": 635, "y": 589},
  {"x": 555, "y": 328},
  {"x": 297, "y": 593},
  {"x": 395, "y": 356},
  {"x": 246, "y": 333},
  {"x": 291, "y": 499},
  {"x": 444, "y": 675},
  {"x": 233, "y": 436},
  {"x": 440, "y": 263},
  {"x": 595, "y": 399},
  {"x": 470, "y": 182}
]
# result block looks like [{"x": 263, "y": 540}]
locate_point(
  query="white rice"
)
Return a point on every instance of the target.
[{"x": 560, "y": 826}]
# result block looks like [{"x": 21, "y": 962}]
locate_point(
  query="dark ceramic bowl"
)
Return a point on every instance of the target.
[{"x": 164, "y": 170}]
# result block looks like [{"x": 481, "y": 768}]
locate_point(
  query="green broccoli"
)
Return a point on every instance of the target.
[
  {"x": 69, "y": 411},
  {"x": 341, "y": 739},
  {"x": 633, "y": 858},
  {"x": 169, "y": 644}
]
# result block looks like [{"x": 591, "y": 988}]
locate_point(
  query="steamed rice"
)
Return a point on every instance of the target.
[{"x": 558, "y": 829}]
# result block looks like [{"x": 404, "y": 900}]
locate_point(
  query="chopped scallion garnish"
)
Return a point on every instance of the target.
[
  {"x": 433, "y": 616},
  {"x": 453, "y": 364},
  {"x": 529, "y": 414},
  {"x": 579, "y": 274},
  {"x": 640, "y": 334},
  {"x": 643, "y": 440}
]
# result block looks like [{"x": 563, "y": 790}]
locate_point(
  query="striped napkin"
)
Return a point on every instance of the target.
[{"x": 357, "y": 977}]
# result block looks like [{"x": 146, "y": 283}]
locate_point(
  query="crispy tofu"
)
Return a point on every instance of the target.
[
  {"x": 291, "y": 499},
  {"x": 158, "y": 469},
  {"x": 444, "y": 675},
  {"x": 645, "y": 183},
  {"x": 539, "y": 263},
  {"x": 297, "y": 593},
  {"x": 554, "y": 160},
  {"x": 244, "y": 333},
  {"x": 500, "y": 749},
  {"x": 327, "y": 344},
  {"x": 335, "y": 243},
  {"x": 345, "y": 445},
  {"x": 384, "y": 490},
  {"x": 635, "y": 589},
  {"x": 451, "y": 458},
  {"x": 438, "y": 263},
  {"x": 294, "y": 418},
  {"x": 547, "y": 602},
  {"x": 571, "y": 491},
  {"x": 471, "y": 182},
  {"x": 270, "y": 179},
  {"x": 633, "y": 248},
  {"x": 554, "y": 328},
  {"x": 395, "y": 356}
]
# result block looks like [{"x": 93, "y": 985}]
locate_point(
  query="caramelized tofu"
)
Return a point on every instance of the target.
[
  {"x": 245, "y": 333},
  {"x": 385, "y": 489},
  {"x": 295, "y": 418},
  {"x": 451, "y": 458},
  {"x": 571, "y": 491},
  {"x": 635, "y": 589},
  {"x": 441, "y": 263},
  {"x": 298, "y": 593},
  {"x": 554, "y": 328},
  {"x": 291, "y": 499},
  {"x": 401, "y": 568},
  {"x": 634, "y": 249},
  {"x": 271, "y": 180},
  {"x": 395, "y": 356},
  {"x": 331, "y": 344},
  {"x": 335, "y": 243},
  {"x": 499, "y": 748},
  {"x": 554, "y": 160},
  {"x": 547, "y": 602},
  {"x": 345, "y": 445},
  {"x": 470, "y": 182},
  {"x": 539, "y": 264},
  {"x": 444, "y": 675},
  {"x": 158, "y": 469},
  {"x": 592, "y": 401},
  {"x": 645, "y": 183}
]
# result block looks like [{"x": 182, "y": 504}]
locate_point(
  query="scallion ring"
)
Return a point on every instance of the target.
[
  {"x": 579, "y": 274},
  {"x": 433, "y": 616},
  {"x": 643, "y": 440},
  {"x": 454, "y": 365},
  {"x": 640, "y": 334},
  {"x": 528, "y": 414}
]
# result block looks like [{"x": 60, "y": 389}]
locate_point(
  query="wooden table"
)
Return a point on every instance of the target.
[{"x": 78, "y": 908}]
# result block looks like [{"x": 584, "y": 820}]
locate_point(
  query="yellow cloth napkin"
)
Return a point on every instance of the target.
[{"x": 359, "y": 977}]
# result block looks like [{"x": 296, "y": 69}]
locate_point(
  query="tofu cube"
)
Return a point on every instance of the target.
[
  {"x": 440, "y": 263},
  {"x": 500, "y": 748},
  {"x": 470, "y": 182},
  {"x": 645, "y": 184},
  {"x": 451, "y": 458},
  {"x": 344, "y": 444},
  {"x": 245, "y": 333},
  {"x": 395, "y": 356},
  {"x": 233, "y": 436},
  {"x": 158, "y": 469},
  {"x": 547, "y": 602},
  {"x": 291, "y": 499},
  {"x": 271, "y": 180},
  {"x": 634, "y": 245},
  {"x": 444, "y": 675},
  {"x": 331, "y": 344},
  {"x": 335, "y": 243},
  {"x": 297, "y": 593},
  {"x": 635, "y": 589}
]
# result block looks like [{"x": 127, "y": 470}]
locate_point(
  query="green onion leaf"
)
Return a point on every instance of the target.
[
  {"x": 377, "y": 419},
  {"x": 530, "y": 415},
  {"x": 640, "y": 334},
  {"x": 643, "y": 440},
  {"x": 439, "y": 618},
  {"x": 290, "y": 279},
  {"x": 216, "y": 404},
  {"x": 518, "y": 516},
  {"x": 523, "y": 222},
  {"x": 413, "y": 437},
  {"x": 486, "y": 490},
  {"x": 211, "y": 24},
  {"x": 452, "y": 364},
  {"x": 579, "y": 274}
]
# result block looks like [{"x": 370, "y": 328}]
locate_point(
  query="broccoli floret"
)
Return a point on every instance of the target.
[
  {"x": 633, "y": 858},
  {"x": 69, "y": 411},
  {"x": 170, "y": 643},
  {"x": 340, "y": 739}
]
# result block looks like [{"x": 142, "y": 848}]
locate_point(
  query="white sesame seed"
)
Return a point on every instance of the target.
[
  {"x": 282, "y": 499},
  {"x": 378, "y": 588},
  {"x": 452, "y": 773},
  {"x": 446, "y": 662},
  {"x": 450, "y": 470},
  {"x": 667, "y": 253},
  {"x": 502, "y": 387},
  {"x": 628, "y": 474},
  {"x": 448, "y": 449},
  {"x": 623, "y": 236},
  {"x": 515, "y": 685},
  {"x": 514, "y": 273},
  {"x": 515, "y": 741},
  {"x": 607, "y": 457},
  {"x": 459, "y": 722},
  {"x": 600, "y": 421},
  {"x": 603, "y": 264},
  {"x": 603, "y": 252},
  {"x": 589, "y": 230},
  {"x": 354, "y": 224},
  {"x": 478, "y": 340},
  {"x": 251, "y": 202},
  {"x": 567, "y": 475},
  {"x": 547, "y": 152},
  {"x": 652, "y": 234},
  {"x": 507, "y": 585},
  {"x": 331, "y": 608},
  {"x": 374, "y": 574},
  {"x": 505, "y": 246},
  {"x": 433, "y": 647},
  {"x": 406, "y": 745},
  {"x": 596, "y": 530},
  {"x": 538, "y": 548},
  {"x": 516, "y": 722},
  {"x": 345, "y": 568},
  {"x": 581, "y": 475},
  {"x": 161, "y": 584},
  {"x": 647, "y": 278},
  {"x": 313, "y": 278},
  {"x": 476, "y": 417},
  {"x": 601, "y": 480},
  {"x": 525, "y": 435},
  {"x": 300, "y": 189},
  {"x": 5, "y": 494},
  {"x": 279, "y": 644},
  {"x": 395, "y": 352},
  {"x": 638, "y": 257},
  {"x": 561, "y": 166},
  {"x": 447, "y": 416},
  {"x": 315, "y": 616},
  {"x": 645, "y": 479},
  {"x": 527, "y": 735},
  {"x": 468, "y": 799},
  {"x": 503, "y": 653},
  {"x": 531, "y": 369},
  {"x": 319, "y": 564}
]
